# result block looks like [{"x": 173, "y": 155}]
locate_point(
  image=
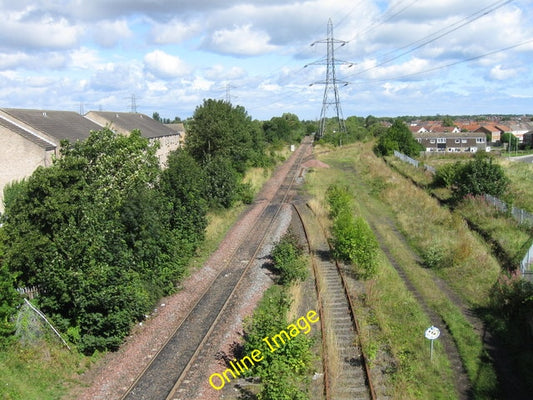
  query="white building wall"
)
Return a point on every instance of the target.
[{"x": 20, "y": 157}]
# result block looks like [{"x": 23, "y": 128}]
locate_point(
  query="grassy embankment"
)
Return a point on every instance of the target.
[
  {"x": 512, "y": 239},
  {"x": 385, "y": 199},
  {"x": 48, "y": 371}
]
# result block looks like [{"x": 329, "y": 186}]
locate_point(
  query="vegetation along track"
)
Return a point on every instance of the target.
[
  {"x": 166, "y": 373},
  {"x": 346, "y": 372}
]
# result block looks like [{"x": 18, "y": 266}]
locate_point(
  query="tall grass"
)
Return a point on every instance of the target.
[
  {"x": 400, "y": 319},
  {"x": 460, "y": 256},
  {"x": 44, "y": 371},
  {"x": 521, "y": 176}
]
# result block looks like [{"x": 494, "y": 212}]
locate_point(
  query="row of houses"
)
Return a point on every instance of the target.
[
  {"x": 467, "y": 137},
  {"x": 31, "y": 138}
]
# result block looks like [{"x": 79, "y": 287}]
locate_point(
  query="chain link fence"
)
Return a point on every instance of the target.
[{"x": 523, "y": 217}]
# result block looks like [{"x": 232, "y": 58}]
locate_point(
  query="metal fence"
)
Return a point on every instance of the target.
[
  {"x": 525, "y": 264},
  {"x": 29, "y": 292},
  {"x": 406, "y": 159},
  {"x": 523, "y": 217},
  {"x": 430, "y": 169}
]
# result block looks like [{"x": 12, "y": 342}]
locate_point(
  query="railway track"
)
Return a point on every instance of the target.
[
  {"x": 165, "y": 377},
  {"x": 346, "y": 371}
]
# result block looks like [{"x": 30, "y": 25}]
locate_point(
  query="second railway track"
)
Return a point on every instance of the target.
[
  {"x": 163, "y": 376},
  {"x": 346, "y": 371}
]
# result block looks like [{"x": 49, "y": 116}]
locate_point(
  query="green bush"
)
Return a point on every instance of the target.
[
  {"x": 339, "y": 199},
  {"x": 397, "y": 137},
  {"x": 246, "y": 193},
  {"x": 480, "y": 176},
  {"x": 435, "y": 256},
  {"x": 283, "y": 372},
  {"x": 353, "y": 240},
  {"x": 447, "y": 174},
  {"x": 288, "y": 260}
]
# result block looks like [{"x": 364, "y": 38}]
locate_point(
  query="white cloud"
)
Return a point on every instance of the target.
[
  {"x": 109, "y": 33},
  {"x": 373, "y": 71},
  {"x": 13, "y": 60},
  {"x": 175, "y": 31},
  {"x": 22, "y": 31},
  {"x": 164, "y": 65},
  {"x": 501, "y": 74},
  {"x": 240, "y": 41},
  {"x": 84, "y": 58},
  {"x": 270, "y": 87},
  {"x": 112, "y": 77},
  {"x": 220, "y": 73}
]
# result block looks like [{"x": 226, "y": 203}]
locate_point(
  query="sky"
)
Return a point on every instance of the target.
[{"x": 397, "y": 57}]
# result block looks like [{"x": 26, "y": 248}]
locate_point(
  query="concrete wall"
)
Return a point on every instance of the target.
[
  {"x": 166, "y": 145},
  {"x": 20, "y": 157}
]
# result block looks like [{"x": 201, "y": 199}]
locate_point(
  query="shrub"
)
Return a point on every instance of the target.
[
  {"x": 355, "y": 242},
  {"x": 480, "y": 176},
  {"x": 339, "y": 199},
  {"x": 447, "y": 174},
  {"x": 288, "y": 260},
  {"x": 283, "y": 371},
  {"x": 435, "y": 257}
]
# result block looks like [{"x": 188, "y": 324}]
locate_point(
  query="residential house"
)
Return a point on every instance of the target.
[
  {"x": 169, "y": 139},
  {"x": 519, "y": 129},
  {"x": 452, "y": 142},
  {"x": 528, "y": 139},
  {"x": 31, "y": 138},
  {"x": 493, "y": 132}
]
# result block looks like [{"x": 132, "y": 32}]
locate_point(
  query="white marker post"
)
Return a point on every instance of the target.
[{"x": 432, "y": 333}]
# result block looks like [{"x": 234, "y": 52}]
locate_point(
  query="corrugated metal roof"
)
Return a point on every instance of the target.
[
  {"x": 128, "y": 122},
  {"x": 57, "y": 124}
]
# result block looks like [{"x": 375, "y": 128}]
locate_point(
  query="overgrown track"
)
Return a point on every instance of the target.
[
  {"x": 164, "y": 377},
  {"x": 346, "y": 376}
]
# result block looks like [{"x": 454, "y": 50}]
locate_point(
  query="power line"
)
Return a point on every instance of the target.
[
  {"x": 384, "y": 18},
  {"x": 439, "y": 34},
  {"x": 455, "y": 62}
]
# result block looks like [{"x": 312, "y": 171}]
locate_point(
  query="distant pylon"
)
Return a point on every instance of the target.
[
  {"x": 229, "y": 86},
  {"x": 331, "y": 90},
  {"x": 133, "y": 104}
]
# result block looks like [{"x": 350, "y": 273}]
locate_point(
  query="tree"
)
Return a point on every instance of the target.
[
  {"x": 480, "y": 176},
  {"x": 398, "y": 137},
  {"x": 183, "y": 183},
  {"x": 93, "y": 233},
  {"x": 222, "y": 182},
  {"x": 156, "y": 116},
  {"x": 448, "y": 121},
  {"x": 219, "y": 129},
  {"x": 9, "y": 298},
  {"x": 370, "y": 120},
  {"x": 509, "y": 137}
]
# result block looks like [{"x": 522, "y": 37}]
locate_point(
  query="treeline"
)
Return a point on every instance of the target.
[{"x": 105, "y": 232}]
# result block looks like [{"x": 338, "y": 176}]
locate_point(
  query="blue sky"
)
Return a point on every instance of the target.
[{"x": 411, "y": 55}]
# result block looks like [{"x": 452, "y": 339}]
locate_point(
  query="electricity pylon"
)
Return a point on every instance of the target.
[{"x": 331, "y": 91}]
